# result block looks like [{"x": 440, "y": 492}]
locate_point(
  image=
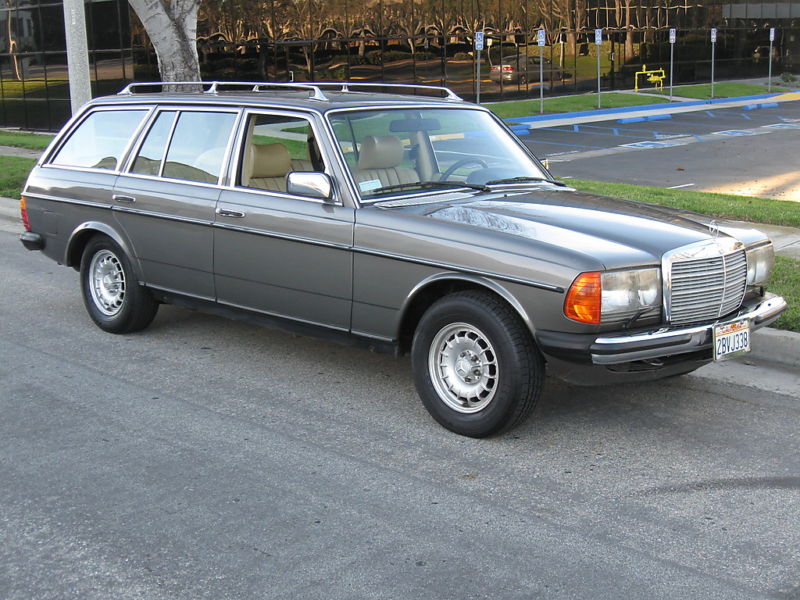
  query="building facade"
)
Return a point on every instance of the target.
[{"x": 399, "y": 41}]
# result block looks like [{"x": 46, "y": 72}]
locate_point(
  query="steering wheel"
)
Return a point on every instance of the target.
[{"x": 460, "y": 163}]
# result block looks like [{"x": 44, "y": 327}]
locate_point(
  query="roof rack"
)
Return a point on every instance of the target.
[
  {"x": 212, "y": 87},
  {"x": 315, "y": 89},
  {"x": 346, "y": 85}
]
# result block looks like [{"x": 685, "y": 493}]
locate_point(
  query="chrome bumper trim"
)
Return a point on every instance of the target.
[{"x": 667, "y": 342}]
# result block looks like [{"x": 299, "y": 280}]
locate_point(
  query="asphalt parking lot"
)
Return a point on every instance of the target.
[
  {"x": 205, "y": 458},
  {"x": 732, "y": 150}
]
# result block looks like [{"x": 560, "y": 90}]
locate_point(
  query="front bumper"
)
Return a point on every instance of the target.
[{"x": 652, "y": 345}]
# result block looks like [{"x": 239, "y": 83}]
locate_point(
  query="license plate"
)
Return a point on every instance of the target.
[{"x": 731, "y": 339}]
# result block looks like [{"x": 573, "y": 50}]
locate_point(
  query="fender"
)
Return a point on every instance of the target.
[
  {"x": 86, "y": 229},
  {"x": 473, "y": 279}
]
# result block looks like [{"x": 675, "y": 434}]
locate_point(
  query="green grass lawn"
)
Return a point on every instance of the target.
[
  {"x": 722, "y": 89},
  {"x": 526, "y": 108},
  {"x": 13, "y": 173},
  {"x": 786, "y": 282},
  {"x": 743, "y": 208},
  {"x": 33, "y": 141}
]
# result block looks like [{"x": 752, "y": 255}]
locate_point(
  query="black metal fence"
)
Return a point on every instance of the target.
[{"x": 34, "y": 91}]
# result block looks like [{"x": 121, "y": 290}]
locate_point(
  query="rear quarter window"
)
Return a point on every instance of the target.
[{"x": 100, "y": 139}]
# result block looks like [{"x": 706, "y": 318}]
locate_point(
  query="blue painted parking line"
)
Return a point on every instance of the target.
[
  {"x": 762, "y": 105},
  {"x": 538, "y": 141},
  {"x": 647, "y": 144},
  {"x": 606, "y": 131},
  {"x": 645, "y": 118},
  {"x": 735, "y": 132}
]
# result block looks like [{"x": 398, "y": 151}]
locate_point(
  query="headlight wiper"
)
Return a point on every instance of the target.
[{"x": 523, "y": 179}]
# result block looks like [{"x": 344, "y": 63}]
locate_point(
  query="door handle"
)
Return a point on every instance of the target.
[
  {"x": 121, "y": 198},
  {"x": 222, "y": 212}
]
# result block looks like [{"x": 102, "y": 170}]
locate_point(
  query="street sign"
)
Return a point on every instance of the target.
[
  {"x": 478, "y": 40},
  {"x": 598, "y": 36},
  {"x": 540, "y": 37},
  {"x": 671, "y": 36},
  {"x": 714, "y": 35},
  {"x": 771, "y": 34}
]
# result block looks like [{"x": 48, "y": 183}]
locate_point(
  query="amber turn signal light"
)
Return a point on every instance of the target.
[{"x": 584, "y": 298}]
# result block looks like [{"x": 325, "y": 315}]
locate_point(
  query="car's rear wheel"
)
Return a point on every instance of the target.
[
  {"x": 476, "y": 367},
  {"x": 112, "y": 296}
]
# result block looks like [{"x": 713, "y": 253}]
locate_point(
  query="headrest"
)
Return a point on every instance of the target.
[
  {"x": 270, "y": 160},
  {"x": 382, "y": 152}
]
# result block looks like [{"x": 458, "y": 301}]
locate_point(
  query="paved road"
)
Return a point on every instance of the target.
[
  {"x": 205, "y": 458},
  {"x": 751, "y": 152}
]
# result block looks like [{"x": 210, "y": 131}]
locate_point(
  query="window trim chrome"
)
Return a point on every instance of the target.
[
  {"x": 235, "y": 161},
  {"x": 70, "y": 130}
]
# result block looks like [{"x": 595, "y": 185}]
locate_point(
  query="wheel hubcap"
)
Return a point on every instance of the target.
[
  {"x": 463, "y": 367},
  {"x": 107, "y": 282}
]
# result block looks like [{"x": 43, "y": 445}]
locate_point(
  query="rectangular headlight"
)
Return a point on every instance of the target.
[
  {"x": 628, "y": 293},
  {"x": 760, "y": 261}
]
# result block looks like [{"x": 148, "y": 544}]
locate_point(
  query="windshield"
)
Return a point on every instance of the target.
[{"x": 394, "y": 152}]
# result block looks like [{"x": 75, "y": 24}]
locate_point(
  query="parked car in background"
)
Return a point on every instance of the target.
[
  {"x": 521, "y": 69},
  {"x": 401, "y": 222}
]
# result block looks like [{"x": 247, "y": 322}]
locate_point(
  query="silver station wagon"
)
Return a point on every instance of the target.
[{"x": 396, "y": 216}]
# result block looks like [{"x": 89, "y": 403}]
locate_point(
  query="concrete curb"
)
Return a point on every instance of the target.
[
  {"x": 9, "y": 210},
  {"x": 777, "y": 346}
]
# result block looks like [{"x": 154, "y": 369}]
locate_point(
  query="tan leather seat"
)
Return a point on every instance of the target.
[
  {"x": 379, "y": 159},
  {"x": 266, "y": 167}
]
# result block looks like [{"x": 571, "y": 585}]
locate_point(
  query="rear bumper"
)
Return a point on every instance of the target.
[
  {"x": 31, "y": 240},
  {"x": 653, "y": 346}
]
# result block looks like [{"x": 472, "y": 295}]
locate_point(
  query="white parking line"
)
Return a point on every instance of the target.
[{"x": 683, "y": 185}]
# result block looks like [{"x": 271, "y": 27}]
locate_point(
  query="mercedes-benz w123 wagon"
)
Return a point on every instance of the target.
[{"x": 405, "y": 222}]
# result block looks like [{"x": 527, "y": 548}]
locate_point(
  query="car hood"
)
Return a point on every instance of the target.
[{"x": 617, "y": 231}]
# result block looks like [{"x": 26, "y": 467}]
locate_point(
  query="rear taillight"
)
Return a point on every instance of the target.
[
  {"x": 495, "y": 68},
  {"x": 23, "y": 209},
  {"x": 507, "y": 68}
]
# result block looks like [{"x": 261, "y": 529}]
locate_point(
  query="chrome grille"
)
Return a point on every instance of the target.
[{"x": 707, "y": 288}]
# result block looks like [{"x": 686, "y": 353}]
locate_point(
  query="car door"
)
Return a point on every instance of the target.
[
  {"x": 165, "y": 200},
  {"x": 274, "y": 252}
]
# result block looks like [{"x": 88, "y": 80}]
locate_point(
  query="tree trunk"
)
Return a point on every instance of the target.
[{"x": 172, "y": 28}]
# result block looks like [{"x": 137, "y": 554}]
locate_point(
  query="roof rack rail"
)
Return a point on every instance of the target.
[
  {"x": 346, "y": 85},
  {"x": 212, "y": 87},
  {"x": 315, "y": 89},
  {"x": 133, "y": 87}
]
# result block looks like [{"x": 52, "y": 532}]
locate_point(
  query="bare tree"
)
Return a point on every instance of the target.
[{"x": 172, "y": 28}]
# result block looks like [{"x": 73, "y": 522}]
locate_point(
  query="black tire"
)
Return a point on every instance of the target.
[
  {"x": 496, "y": 372},
  {"x": 111, "y": 293}
]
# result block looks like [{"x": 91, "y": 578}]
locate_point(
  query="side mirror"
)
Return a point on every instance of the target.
[{"x": 310, "y": 184}]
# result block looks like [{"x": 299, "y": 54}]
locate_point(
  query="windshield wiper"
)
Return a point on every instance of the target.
[
  {"x": 522, "y": 179},
  {"x": 429, "y": 184}
]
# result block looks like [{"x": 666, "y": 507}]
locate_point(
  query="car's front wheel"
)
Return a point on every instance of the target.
[
  {"x": 113, "y": 297},
  {"x": 476, "y": 367}
]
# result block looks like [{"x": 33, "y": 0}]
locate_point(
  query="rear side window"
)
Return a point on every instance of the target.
[
  {"x": 100, "y": 139},
  {"x": 197, "y": 149},
  {"x": 148, "y": 162}
]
